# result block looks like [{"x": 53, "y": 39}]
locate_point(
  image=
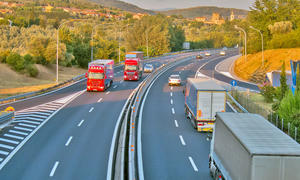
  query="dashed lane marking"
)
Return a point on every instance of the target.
[
  {"x": 54, "y": 169},
  {"x": 193, "y": 164},
  {"x": 176, "y": 123},
  {"x": 100, "y": 100},
  {"x": 69, "y": 140},
  {"x": 182, "y": 140},
  {"x": 173, "y": 111},
  {"x": 92, "y": 108},
  {"x": 80, "y": 123}
]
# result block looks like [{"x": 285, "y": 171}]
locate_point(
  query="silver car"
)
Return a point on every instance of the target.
[
  {"x": 174, "y": 79},
  {"x": 148, "y": 68}
]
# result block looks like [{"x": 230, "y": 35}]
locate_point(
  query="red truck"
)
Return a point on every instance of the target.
[
  {"x": 100, "y": 75},
  {"x": 133, "y": 66}
]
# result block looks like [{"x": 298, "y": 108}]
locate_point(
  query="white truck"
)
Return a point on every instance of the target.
[
  {"x": 246, "y": 146},
  {"x": 203, "y": 98}
]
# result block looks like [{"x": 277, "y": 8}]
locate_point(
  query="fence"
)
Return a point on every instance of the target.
[{"x": 252, "y": 107}]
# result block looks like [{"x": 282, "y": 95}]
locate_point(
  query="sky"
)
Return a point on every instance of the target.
[{"x": 179, "y": 4}]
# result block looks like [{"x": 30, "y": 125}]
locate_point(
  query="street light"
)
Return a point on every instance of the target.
[
  {"x": 262, "y": 45},
  {"x": 236, "y": 27},
  {"x": 57, "y": 41},
  {"x": 147, "y": 43}
]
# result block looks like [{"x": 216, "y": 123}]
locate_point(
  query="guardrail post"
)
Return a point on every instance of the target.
[
  {"x": 296, "y": 133},
  {"x": 281, "y": 123},
  {"x": 277, "y": 120},
  {"x": 289, "y": 124},
  {"x": 271, "y": 117}
]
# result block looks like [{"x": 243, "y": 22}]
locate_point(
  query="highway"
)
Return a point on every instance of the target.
[
  {"x": 171, "y": 147},
  {"x": 72, "y": 143}
]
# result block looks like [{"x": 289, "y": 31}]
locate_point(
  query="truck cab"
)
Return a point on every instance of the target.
[{"x": 133, "y": 69}]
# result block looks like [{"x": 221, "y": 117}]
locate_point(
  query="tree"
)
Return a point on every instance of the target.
[
  {"x": 16, "y": 61},
  {"x": 177, "y": 38},
  {"x": 283, "y": 86}
]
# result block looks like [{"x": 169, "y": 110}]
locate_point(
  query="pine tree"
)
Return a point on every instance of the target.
[
  {"x": 283, "y": 85},
  {"x": 298, "y": 80}
]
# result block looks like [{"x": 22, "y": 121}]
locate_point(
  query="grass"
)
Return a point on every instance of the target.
[
  {"x": 13, "y": 83},
  {"x": 273, "y": 61}
]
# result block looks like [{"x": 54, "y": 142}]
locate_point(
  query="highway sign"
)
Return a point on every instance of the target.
[
  {"x": 293, "y": 89},
  {"x": 233, "y": 83}
]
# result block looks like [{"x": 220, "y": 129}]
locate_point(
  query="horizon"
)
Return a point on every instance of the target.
[{"x": 177, "y": 4}]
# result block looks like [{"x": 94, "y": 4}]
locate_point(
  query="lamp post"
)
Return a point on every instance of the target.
[
  {"x": 236, "y": 27},
  {"x": 262, "y": 44},
  {"x": 147, "y": 43},
  {"x": 57, "y": 42}
]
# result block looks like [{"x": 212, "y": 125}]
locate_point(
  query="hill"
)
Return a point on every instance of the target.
[
  {"x": 204, "y": 11},
  {"x": 122, "y": 5},
  {"x": 273, "y": 61}
]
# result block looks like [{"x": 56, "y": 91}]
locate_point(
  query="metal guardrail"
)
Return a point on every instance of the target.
[
  {"x": 236, "y": 103},
  {"x": 123, "y": 160},
  {"x": 6, "y": 116}
]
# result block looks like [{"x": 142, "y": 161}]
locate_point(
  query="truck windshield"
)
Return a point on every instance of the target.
[
  {"x": 130, "y": 68},
  {"x": 96, "y": 75}
]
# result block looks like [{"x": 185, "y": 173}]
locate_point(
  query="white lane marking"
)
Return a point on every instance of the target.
[
  {"x": 173, "y": 110},
  {"x": 176, "y": 123},
  {"x": 27, "y": 125},
  {"x": 92, "y": 108},
  {"x": 13, "y": 136},
  {"x": 80, "y": 123},
  {"x": 31, "y": 118},
  {"x": 3, "y": 152},
  {"x": 54, "y": 169},
  {"x": 6, "y": 146},
  {"x": 32, "y": 122},
  {"x": 9, "y": 141},
  {"x": 69, "y": 140},
  {"x": 115, "y": 86},
  {"x": 171, "y": 94},
  {"x": 107, "y": 92},
  {"x": 100, "y": 100},
  {"x": 21, "y": 128},
  {"x": 182, "y": 140},
  {"x": 193, "y": 164},
  {"x": 18, "y": 132},
  {"x": 171, "y": 101},
  {"x": 171, "y": 87}
]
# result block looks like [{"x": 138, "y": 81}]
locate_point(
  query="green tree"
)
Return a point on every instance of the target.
[
  {"x": 283, "y": 86},
  {"x": 16, "y": 61},
  {"x": 177, "y": 38}
]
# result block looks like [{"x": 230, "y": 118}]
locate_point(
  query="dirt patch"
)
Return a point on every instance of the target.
[{"x": 273, "y": 61}]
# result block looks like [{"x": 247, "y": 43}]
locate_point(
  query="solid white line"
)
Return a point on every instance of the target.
[
  {"x": 100, "y": 100},
  {"x": 115, "y": 86},
  {"x": 80, "y": 123},
  {"x": 54, "y": 169},
  {"x": 13, "y": 136},
  {"x": 171, "y": 101},
  {"x": 27, "y": 125},
  {"x": 9, "y": 141},
  {"x": 176, "y": 124},
  {"x": 18, "y": 132},
  {"x": 193, "y": 164},
  {"x": 21, "y": 128},
  {"x": 69, "y": 140},
  {"x": 182, "y": 140},
  {"x": 171, "y": 94},
  {"x": 6, "y": 146},
  {"x": 173, "y": 110},
  {"x": 107, "y": 92},
  {"x": 92, "y": 108},
  {"x": 4, "y": 152}
]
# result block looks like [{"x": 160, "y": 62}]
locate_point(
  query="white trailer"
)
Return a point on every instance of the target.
[{"x": 246, "y": 146}]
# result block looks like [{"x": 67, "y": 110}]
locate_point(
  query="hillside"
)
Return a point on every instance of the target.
[
  {"x": 273, "y": 61},
  {"x": 204, "y": 11},
  {"x": 122, "y": 5}
]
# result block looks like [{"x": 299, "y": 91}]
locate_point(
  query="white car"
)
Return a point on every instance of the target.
[
  {"x": 222, "y": 53},
  {"x": 148, "y": 68},
  {"x": 174, "y": 79},
  {"x": 207, "y": 54}
]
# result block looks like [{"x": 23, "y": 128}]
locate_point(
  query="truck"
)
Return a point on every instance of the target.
[
  {"x": 203, "y": 98},
  {"x": 100, "y": 74},
  {"x": 135, "y": 54},
  {"x": 246, "y": 146},
  {"x": 133, "y": 69}
]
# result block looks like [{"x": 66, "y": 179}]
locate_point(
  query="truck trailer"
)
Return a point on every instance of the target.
[
  {"x": 203, "y": 98},
  {"x": 246, "y": 146},
  {"x": 135, "y": 54},
  {"x": 100, "y": 75}
]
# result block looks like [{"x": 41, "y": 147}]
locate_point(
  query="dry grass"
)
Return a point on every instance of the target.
[
  {"x": 273, "y": 61},
  {"x": 16, "y": 83}
]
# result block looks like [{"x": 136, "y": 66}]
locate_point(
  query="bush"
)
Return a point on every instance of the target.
[
  {"x": 28, "y": 59},
  {"x": 3, "y": 56},
  {"x": 16, "y": 61},
  {"x": 32, "y": 70},
  {"x": 268, "y": 92},
  {"x": 289, "y": 108}
]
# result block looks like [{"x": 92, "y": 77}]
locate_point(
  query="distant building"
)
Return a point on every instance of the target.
[
  {"x": 6, "y": 11},
  {"x": 200, "y": 19},
  {"x": 138, "y": 16},
  {"x": 232, "y": 16},
  {"x": 217, "y": 19}
]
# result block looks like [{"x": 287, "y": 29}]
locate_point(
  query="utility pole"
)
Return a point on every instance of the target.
[
  {"x": 262, "y": 44},
  {"x": 236, "y": 27}
]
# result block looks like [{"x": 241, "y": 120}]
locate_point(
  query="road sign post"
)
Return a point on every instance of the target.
[
  {"x": 233, "y": 83},
  {"x": 294, "y": 67}
]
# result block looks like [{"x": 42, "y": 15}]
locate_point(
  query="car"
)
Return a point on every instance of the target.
[
  {"x": 222, "y": 53},
  {"x": 174, "y": 79},
  {"x": 199, "y": 57},
  {"x": 207, "y": 53},
  {"x": 148, "y": 68}
]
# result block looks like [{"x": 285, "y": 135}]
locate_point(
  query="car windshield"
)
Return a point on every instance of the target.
[
  {"x": 130, "y": 68},
  {"x": 175, "y": 77},
  {"x": 96, "y": 75}
]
